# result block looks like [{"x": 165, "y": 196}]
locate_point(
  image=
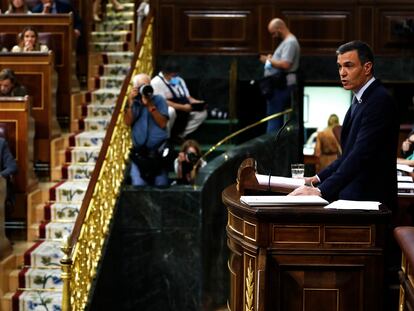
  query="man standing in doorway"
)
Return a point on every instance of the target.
[
  {"x": 366, "y": 170},
  {"x": 285, "y": 59}
]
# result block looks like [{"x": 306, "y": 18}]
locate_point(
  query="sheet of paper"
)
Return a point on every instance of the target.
[
  {"x": 265, "y": 200},
  {"x": 405, "y": 185},
  {"x": 405, "y": 179},
  {"x": 405, "y": 168},
  {"x": 351, "y": 205},
  {"x": 277, "y": 181}
]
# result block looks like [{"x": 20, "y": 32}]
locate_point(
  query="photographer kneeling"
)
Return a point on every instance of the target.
[
  {"x": 189, "y": 158},
  {"x": 147, "y": 114}
]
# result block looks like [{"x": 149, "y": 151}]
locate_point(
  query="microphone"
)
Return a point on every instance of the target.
[{"x": 276, "y": 141}]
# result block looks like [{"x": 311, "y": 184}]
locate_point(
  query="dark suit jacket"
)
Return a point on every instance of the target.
[
  {"x": 62, "y": 7},
  {"x": 366, "y": 171},
  {"x": 8, "y": 164}
]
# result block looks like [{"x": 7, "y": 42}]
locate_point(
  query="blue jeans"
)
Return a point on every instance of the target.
[
  {"x": 137, "y": 180},
  {"x": 277, "y": 103}
]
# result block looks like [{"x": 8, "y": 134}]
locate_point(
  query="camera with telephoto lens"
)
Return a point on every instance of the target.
[
  {"x": 192, "y": 158},
  {"x": 146, "y": 90}
]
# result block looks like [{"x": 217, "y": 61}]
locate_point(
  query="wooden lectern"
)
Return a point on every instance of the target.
[{"x": 304, "y": 258}]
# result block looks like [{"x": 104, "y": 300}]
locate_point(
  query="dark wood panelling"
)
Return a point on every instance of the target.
[
  {"x": 266, "y": 14},
  {"x": 364, "y": 22},
  {"x": 216, "y": 30},
  {"x": 166, "y": 28},
  {"x": 319, "y": 31},
  {"x": 395, "y": 31},
  {"x": 240, "y": 26}
]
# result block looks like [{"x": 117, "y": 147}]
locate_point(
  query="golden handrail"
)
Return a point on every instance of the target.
[
  {"x": 83, "y": 248},
  {"x": 273, "y": 116}
]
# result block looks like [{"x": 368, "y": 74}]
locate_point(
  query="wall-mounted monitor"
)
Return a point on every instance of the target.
[{"x": 319, "y": 102}]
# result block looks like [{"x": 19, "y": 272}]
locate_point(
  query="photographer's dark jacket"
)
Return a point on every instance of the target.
[{"x": 145, "y": 131}]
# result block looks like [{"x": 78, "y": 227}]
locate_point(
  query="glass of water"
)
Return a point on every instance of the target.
[{"x": 298, "y": 170}]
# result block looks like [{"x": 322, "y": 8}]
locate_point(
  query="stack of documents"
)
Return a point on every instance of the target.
[
  {"x": 405, "y": 168},
  {"x": 269, "y": 200},
  {"x": 405, "y": 185},
  {"x": 352, "y": 205}
]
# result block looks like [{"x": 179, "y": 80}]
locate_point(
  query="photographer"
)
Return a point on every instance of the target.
[
  {"x": 189, "y": 156},
  {"x": 147, "y": 114}
]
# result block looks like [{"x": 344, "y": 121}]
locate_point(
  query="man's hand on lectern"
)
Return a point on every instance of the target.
[{"x": 306, "y": 190}]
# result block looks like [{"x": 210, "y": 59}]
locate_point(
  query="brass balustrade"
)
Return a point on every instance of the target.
[{"x": 84, "y": 247}]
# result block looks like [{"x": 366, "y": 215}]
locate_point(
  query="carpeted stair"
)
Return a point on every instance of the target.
[{"x": 51, "y": 221}]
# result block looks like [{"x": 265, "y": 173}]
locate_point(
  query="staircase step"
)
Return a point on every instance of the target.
[
  {"x": 14, "y": 280},
  {"x": 37, "y": 278},
  {"x": 114, "y": 69},
  {"x": 58, "y": 230},
  {"x": 39, "y": 213},
  {"x": 117, "y": 57},
  {"x": 6, "y": 302},
  {"x": 44, "y": 254},
  {"x": 106, "y": 96},
  {"x": 109, "y": 46},
  {"x": 98, "y": 110},
  {"x": 113, "y": 36},
  {"x": 123, "y": 15},
  {"x": 33, "y": 232},
  {"x": 129, "y": 6},
  {"x": 88, "y": 139},
  {"x": 82, "y": 154},
  {"x": 71, "y": 191},
  {"x": 63, "y": 211},
  {"x": 78, "y": 171},
  {"x": 38, "y": 300},
  {"x": 96, "y": 124},
  {"x": 114, "y": 26},
  {"x": 110, "y": 82}
]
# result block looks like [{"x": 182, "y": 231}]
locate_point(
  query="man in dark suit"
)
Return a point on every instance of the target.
[
  {"x": 59, "y": 6},
  {"x": 366, "y": 171}
]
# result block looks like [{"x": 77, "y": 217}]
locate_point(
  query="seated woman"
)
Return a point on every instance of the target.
[
  {"x": 29, "y": 41},
  {"x": 188, "y": 158},
  {"x": 18, "y": 7},
  {"x": 407, "y": 150}
]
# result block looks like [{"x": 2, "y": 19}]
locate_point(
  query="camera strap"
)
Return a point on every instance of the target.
[{"x": 175, "y": 96}]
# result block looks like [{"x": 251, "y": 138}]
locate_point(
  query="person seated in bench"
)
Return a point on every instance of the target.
[
  {"x": 59, "y": 7},
  {"x": 29, "y": 42},
  {"x": 9, "y": 87},
  {"x": 185, "y": 112},
  {"x": 17, "y": 7}
]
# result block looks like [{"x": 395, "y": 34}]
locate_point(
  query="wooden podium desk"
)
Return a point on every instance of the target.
[{"x": 305, "y": 258}]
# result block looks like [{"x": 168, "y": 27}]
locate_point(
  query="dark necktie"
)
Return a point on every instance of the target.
[{"x": 354, "y": 106}]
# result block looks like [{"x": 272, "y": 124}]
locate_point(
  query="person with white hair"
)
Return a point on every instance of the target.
[{"x": 147, "y": 115}]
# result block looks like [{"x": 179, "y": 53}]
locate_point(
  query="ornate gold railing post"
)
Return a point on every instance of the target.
[{"x": 66, "y": 266}]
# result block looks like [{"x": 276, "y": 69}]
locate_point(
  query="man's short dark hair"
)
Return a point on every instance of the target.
[
  {"x": 170, "y": 66},
  {"x": 363, "y": 49},
  {"x": 8, "y": 74}
]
